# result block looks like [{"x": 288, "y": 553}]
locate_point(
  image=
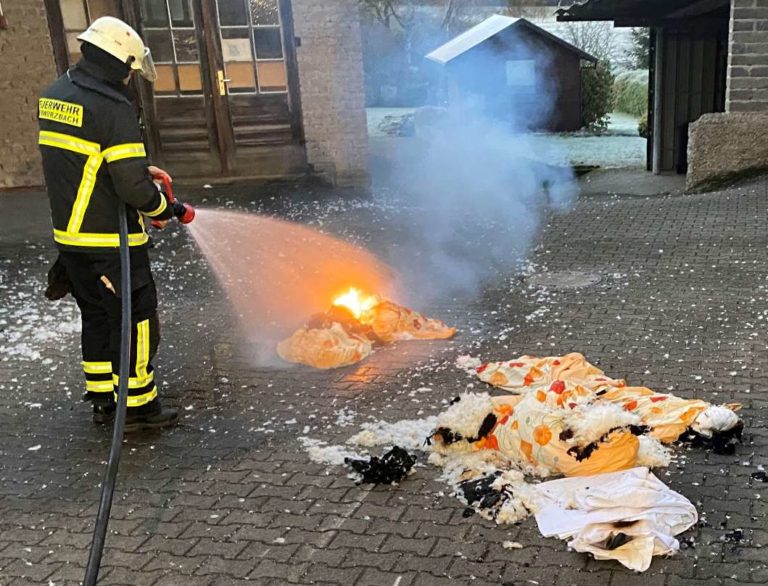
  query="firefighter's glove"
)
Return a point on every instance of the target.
[{"x": 58, "y": 281}]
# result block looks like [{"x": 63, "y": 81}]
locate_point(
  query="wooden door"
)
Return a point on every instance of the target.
[
  {"x": 226, "y": 100},
  {"x": 189, "y": 119},
  {"x": 258, "y": 79}
]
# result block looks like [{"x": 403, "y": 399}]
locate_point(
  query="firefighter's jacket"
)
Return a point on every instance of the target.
[{"x": 93, "y": 159}]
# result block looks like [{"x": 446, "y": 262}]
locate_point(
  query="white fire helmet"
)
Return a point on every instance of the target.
[{"x": 117, "y": 38}]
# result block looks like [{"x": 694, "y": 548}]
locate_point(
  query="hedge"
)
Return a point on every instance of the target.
[{"x": 630, "y": 92}]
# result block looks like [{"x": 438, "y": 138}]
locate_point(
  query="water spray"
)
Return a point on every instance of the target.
[{"x": 185, "y": 214}]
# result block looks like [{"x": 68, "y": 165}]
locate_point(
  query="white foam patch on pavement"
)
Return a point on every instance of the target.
[
  {"x": 331, "y": 455},
  {"x": 467, "y": 414},
  {"x": 468, "y": 363},
  {"x": 29, "y": 323},
  {"x": 519, "y": 496},
  {"x": 652, "y": 453},
  {"x": 410, "y": 434},
  {"x": 345, "y": 417}
]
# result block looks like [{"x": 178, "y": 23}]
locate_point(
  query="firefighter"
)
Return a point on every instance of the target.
[{"x": 94, "y": 161}]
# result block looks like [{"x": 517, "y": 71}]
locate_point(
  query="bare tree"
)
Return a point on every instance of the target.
[
  {"x": 402, "y": 12},
  {"x": 595, "y": 37},
  {"x": 456, "y": 13}
]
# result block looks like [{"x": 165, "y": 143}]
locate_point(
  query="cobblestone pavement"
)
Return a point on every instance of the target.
[{"x": 230, "y": 497}]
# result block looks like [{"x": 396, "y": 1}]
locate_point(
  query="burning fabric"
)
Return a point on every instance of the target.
[
  {"x": 346, "y": 333},
  {"x": 329, "y": 340},
  {"x": 568, "y": 418}
]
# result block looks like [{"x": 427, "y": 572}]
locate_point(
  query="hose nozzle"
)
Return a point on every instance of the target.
[{"x": 184, "y": 212}]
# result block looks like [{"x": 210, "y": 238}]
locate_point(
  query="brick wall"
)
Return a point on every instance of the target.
[
  {"x": 26, "y": 67},
  {"x": 330, "y": 61},
  {"x": 748, "y": 57}
]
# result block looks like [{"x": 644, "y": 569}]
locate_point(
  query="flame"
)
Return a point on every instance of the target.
[{"x": 358, "y": 303}]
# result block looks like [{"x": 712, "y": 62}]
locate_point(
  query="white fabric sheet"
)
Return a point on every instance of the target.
[{"x": 590, "y": 510}]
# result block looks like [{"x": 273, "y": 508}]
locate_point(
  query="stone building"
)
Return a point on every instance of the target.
[
  {"x": 708, "y": 100},
  {"x": 246, "y": 88}
]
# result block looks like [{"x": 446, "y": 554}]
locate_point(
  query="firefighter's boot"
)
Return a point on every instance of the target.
[
  {"x": 103, "y": 413},
  {"x": 156, "y": 417}
]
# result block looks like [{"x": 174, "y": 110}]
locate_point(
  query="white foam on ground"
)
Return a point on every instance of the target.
[
  {"x": 330, "y": 455},
  {"x": 652, "y": 453},
  {"x": 468, "y": 363},
  {"x": 592, "y": 421},
  {"x": 344, "y": 417},
  {"x": 521, "y": 499},
  {"x": 466, "y": 415},
  {"x": 28, "y": 323},
  {"x": 410, "y": 434}
]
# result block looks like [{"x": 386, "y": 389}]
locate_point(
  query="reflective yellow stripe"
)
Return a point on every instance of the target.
[
  {"x": 70, "y": 143},
  {"x": 84, "y": 192},
  {"x": 97, "y": 240},
  {"x": 139, "y": 400},
  {"x": 142, "y": 349},
  {"x": 97, "y": 367},
  {"x": 99, "y": 386},
  {"x": 160, "y": 209},
  {"x": 124, "y": 151},
  {"x": 135, "y": 382}
]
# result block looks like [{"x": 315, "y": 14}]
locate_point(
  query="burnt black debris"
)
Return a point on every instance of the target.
[
  {"x": 734, "y": 536},
  {"x": 583, "y": 453},
  {"x": 481, "y": 495},
  {"x": 616, "y": 540},
  {"x": 391, "y": 468},
  {"x": 487, "y": 426},
  {"x": 449, "y": 437},
  {"x": 687, "y": 542},
  {"x": 722, "y": 443},
  {"x": 346, "y": 319},
  {"x": 624, "y": 524},
  {"x": 480, "y": 492}
]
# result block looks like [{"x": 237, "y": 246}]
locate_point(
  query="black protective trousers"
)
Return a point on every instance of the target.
[{"x": 90, "y": 275}]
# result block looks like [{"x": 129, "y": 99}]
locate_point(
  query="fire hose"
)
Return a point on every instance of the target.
[{"x": 185, "y": 214}]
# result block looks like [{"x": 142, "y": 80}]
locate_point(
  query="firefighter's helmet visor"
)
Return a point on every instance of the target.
[{"x": 148, "y": 70}]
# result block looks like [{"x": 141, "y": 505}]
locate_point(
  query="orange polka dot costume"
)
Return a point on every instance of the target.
[{"x": 566, "y": 416}]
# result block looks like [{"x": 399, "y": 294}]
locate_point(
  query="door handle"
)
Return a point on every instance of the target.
[{"x": 222, "y": 82}]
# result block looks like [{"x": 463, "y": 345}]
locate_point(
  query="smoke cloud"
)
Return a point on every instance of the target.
[{"x": 474, "y": 178}]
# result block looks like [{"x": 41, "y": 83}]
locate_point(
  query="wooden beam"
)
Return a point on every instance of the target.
[
  {"x": 694, "y": 23},
  {"x": 58, "y": 39},
  {"x": 698, "y": 7},
  {"x": 651, "y": 108},
  {"x": 292, "y": 70}
]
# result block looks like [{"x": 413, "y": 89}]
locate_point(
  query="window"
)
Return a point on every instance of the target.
[
  {"x": 77, "y": 15},
  {"x": 169, "y": 31},
  {"x": 252, "y": 46}
]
